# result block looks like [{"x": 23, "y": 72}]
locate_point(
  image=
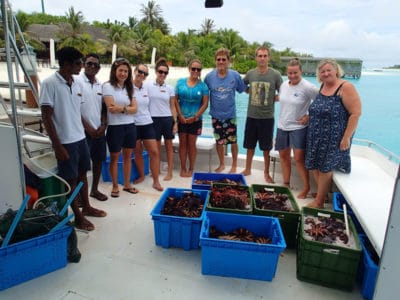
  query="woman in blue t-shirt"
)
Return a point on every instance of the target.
[{"x": 191, "y": 100}]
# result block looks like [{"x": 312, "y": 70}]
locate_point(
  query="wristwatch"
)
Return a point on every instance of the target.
[{"x": 124, "y": 110}]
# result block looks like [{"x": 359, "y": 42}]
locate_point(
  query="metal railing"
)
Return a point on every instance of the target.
[{"x": 385, "y": 152}]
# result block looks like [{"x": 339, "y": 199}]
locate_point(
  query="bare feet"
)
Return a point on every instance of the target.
[
  {"x": 232, "y": 170},
  {"x": 219, "y": 169},
  {"x": 157, "y": 186},
  {"x": 93, "y": 212},
  {"x": 268, "y": 178},
  {"x": 246, "y": 172},
  {"x": 315, "y": 204},
  {"x": 303, "y": 194},
  {"x": 98, "y": 195},
  {"x": 185, "y": 173},
  {"x": 84, "y": 224},
  {"x": 168, "y": 177},
  {"x": 139, "y": 180},
  {"x": 314, "y": 195}
]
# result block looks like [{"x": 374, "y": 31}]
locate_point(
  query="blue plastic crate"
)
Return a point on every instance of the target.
[
  {"x": 134, "y": 172},
  {"x": 214, "y": 177},
  {"x": 236, "y": 258},
  {"x": 368, "y": 270},
  {"x": 174, "y": 231},
  {"x": 338, "y": 201},
  {"x": 32, "y": 258}
]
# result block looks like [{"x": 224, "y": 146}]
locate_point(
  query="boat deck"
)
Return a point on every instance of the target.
[{"x": 121, "y": 261}]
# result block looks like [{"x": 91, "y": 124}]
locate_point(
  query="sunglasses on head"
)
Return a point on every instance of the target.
[
  {"x": 121, "y": 60},
  {"x": 141, "y": 72},
  {"x": 196, "y": 69},
  {"x": 92, "y": 64},
  {"x": 162, "y": 72}
]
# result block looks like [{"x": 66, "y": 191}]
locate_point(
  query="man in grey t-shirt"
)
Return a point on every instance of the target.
[{"x": 263, "y": 85}]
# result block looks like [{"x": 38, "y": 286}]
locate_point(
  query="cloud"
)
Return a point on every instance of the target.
[{"x": 366, "y": 29}]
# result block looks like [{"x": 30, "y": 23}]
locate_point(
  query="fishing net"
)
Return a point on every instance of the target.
[{"x": 34, "y": 223}]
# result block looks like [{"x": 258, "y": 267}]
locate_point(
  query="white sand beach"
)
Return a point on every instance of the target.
[{"x": 43, "y": 72}]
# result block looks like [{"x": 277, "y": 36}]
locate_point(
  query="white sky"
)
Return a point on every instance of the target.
[{"x": 364, "y": 29}]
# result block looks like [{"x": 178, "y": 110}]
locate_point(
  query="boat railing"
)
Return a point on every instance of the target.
[{"x": 382, "y": 150}]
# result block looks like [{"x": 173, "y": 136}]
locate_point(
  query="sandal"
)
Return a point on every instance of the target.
[
  {"x": 131, "y": 190},
  {"x": 85, "y": 225},
  {"x": 115, "y": 194},
  {"x": 99, "y": 196},
  {"x": 93, "y": 212}
]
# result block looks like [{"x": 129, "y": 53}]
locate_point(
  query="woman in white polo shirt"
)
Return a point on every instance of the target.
[
  {"x": 121, "y": 131},
  {"x": 145, "y": 133},
  {"x": 162, "y": 110}
]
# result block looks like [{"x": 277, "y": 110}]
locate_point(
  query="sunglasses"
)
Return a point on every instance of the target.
[
  {"x": 221, "y": 59},
  {"x": 196, "y": 69},
  {"x": 161, "y": 72},
  {"x": 93, "y": 64},
  {"x": 141, "y": 72},
  {"x": 121, "y": 60}
]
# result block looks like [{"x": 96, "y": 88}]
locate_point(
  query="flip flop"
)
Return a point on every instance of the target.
[
  {"x": 115, "y": 194},
  {"x": 93, "y": 212},
  {"x": 131, "y": 190},
  {"x": 99, "y": 196}
]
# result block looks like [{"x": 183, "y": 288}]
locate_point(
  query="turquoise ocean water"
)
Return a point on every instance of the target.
[{"x": 380, "y": 121}]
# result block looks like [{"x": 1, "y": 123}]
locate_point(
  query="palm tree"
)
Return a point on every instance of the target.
[
  {"x": 75, "y": 20},
  {"x": 231, "y": 40},
  {"x": 142, "y": 32},
  {"x": 71, "y": 33},
  {"x": 124, "y": 39},
  {"x": 151, "y": 13},
  {"x": 133, "y": 22},
  {"x": 152, "y": 16},
  {"x": 207, "y": 26}
]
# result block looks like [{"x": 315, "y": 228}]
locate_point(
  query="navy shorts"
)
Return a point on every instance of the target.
[
  {"x": 258, "y": 130},
  {"x": 192, "y": 128},
  {"x": 225, "y": 131},
  {"x": 78, "y": 162},
  {"x": 295, "y": 139},
  {"x": 145, "y": 132},
  {"x": 97, "y": 148},
  {"x": 121, "y": 136},
  {"x": 163, "y": 127}
]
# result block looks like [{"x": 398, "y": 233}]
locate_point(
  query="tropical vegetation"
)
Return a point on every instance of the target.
[{"x": 136, "y": 39}]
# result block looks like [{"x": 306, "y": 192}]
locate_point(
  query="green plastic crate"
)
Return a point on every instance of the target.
[
  {"x": 327, "y": 264},
  {"x": 248, "y": 210},
  {"x": 289, "y": 220}
]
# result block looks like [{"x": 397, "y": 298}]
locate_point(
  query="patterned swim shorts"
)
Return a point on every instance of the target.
[{"x": 225, "y": 131}]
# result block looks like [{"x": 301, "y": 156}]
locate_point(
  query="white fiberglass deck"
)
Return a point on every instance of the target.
[
  {"x": 369, "y": 190},
  {"x": 120, "y": 260}
]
